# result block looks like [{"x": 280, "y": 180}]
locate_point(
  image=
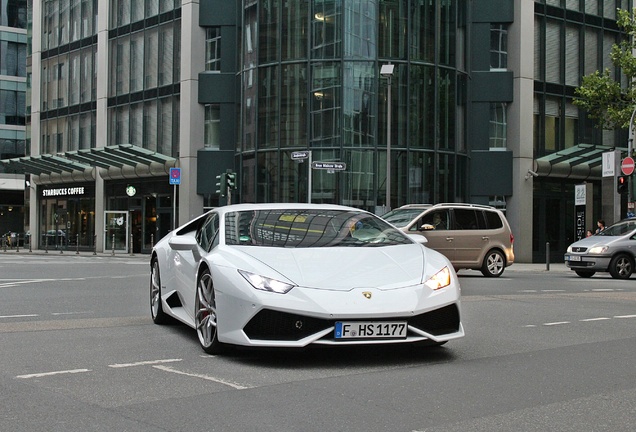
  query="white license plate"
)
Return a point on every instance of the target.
[
  {"x": 574, "y": 258},
  {"x": 370, "y": 329}
]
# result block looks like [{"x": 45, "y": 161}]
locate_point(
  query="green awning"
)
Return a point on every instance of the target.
[
  {"x": 85, "y": 159},
  {"x": 582, "y": 161}
]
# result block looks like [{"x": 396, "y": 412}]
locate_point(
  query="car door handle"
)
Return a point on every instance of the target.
[
  {"x": 485, "y": 238},
  {"x": 449, "y": 239}
]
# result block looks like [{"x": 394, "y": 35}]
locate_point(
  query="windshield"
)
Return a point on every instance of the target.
[
  {"x": 619, "y": 229},
  {"x": 302, "y": 228},
  {"x": 401, "y": 217}
]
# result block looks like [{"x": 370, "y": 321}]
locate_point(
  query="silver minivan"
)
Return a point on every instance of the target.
[{"x": 471, "y": 236}]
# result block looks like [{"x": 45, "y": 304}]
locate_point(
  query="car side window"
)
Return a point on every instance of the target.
[
  {"x": 208, "y": 230},
  {"x": 439, "y": 219},
  {"x": 465, "y": 219}
]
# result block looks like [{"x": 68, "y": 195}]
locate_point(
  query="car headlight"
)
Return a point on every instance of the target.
[
  {"x": 598, "y": 249},
  {"x": 569, "y": 249},
  {"x": 440, "y": 279},
  {"x": 266, "y": 284}
]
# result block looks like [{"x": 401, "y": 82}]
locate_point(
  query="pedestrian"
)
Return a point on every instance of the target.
[
  {"x": 601, "y": 226},
  {"x": 589, "y": 233}
]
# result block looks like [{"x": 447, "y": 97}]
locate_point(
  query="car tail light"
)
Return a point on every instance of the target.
[{"x": 512, "y": 238}]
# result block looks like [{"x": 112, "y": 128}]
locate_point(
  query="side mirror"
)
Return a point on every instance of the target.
[
  {"x": 183, "y": 243},
  {"x": 417, "y": 238},
  {"x": 427, "y": 227}
]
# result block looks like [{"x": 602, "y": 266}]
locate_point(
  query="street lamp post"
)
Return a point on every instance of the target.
[{"x": 387, "y": 71}]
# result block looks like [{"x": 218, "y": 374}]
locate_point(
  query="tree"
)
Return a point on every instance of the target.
[{"x": 609, "y": 103}]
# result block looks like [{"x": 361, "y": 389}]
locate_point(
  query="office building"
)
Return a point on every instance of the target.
[
  {"x": 13, "y": 91},
  {"x": 302, "y": 100}
]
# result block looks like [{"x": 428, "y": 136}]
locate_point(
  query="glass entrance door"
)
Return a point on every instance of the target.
[{"x": 115, "y": 231}]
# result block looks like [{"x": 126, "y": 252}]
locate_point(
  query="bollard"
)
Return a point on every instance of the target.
[
  {"x": 46, "y": 243},
  {"x": 94, "y": 244},
  {"x": 30, "y": 245},
  {"x": 17, "y": 243},
  {"x": 4, "y": 243},
  {"x": 152, "y": 241},
  {"x": 113, "y": 253},
  {"x": 547, "y": 256},
  {"x": 131, "y": 245},
  {"x": 76, "y": 244}
]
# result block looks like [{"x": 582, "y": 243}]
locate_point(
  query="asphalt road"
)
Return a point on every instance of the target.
[{"x": 544, "y": 350}]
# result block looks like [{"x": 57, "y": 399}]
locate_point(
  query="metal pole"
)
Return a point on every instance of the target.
[
  {"x": 388, "y": 146},
  {"x": 131, "y": 245},
  {"x": 630, "y": 146},
  {"x": 152, "y": 241},
  {"x": 547, "y": 256},
  {"x": 17, "y": 242},
  {"x": 113, "y": 245},
  {"x": 174, "y": 207},
  {"x": 76, "y": 244},
  {"x": 46, "y": 242},
  {"x": 94, "y": 244},
  {"x": 310, "y": 175},
  {"x": 30, "y": 244}
]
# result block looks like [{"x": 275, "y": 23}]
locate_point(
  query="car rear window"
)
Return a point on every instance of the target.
[{"x": 493, "y": 220}]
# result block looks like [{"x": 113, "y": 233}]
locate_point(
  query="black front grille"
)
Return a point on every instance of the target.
[
  {"x": 579, "y": 249},
  {"x": 274, "y": 325},
  {"x": 438, "y": 322}
]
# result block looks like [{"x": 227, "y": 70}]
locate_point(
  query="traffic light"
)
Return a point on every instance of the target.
[
  {"x": 231, "y": 180},
  {"x": 221, "y": 184},
  {"x": 621, "y": 184}
]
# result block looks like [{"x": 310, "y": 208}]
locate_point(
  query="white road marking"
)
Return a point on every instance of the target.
[
  {"x": 594, "y": 319},
  {"x": 144, "y": 363},
  {"x": 625, "y": 316},
  {"x": 205, "y": 377},
  {"x": 71, "y": 313},
  {"x": 19, "y": 316},
  {"x": 44, "y": 374},
  {"x": 556, "y": 323},
  {"x": 551, "y": 291}
]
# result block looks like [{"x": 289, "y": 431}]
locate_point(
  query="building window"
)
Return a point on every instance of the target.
[
  {"x": 213, "y": 49},
  {"x": 498, "y": 125},
  {"x": 498, "y": 46},
  {"x": 212, "y": 136},
  {"x": 12, "y": 58}
]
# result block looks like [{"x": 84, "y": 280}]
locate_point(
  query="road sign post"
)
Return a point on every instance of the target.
[{"x": 174, "y": 179}]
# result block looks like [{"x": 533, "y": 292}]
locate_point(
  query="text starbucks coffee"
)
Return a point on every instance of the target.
[{"x": 73, "y": 191}]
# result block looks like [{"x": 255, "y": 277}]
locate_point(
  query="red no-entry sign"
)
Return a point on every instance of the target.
[{"x": 627, "y": 166}]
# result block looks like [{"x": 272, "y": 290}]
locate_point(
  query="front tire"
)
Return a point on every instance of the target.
[
  {"x": 494, "y": 264},
  {"x": 621, "y": 266},
  {"x": 205, "y": 319},
  {"x": 156, "y": 310}
]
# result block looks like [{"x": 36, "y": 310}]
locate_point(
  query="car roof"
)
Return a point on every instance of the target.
[
  {"x": 284, "y": 206},
  {"x": 445, "y": 205}
]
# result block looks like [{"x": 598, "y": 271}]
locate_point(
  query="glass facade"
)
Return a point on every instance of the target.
[
  {"x": 68, "y": 75},
  {"x": 145, "y": 62},
  {"x": 311, "y": 81},
  {"x": 567, "y": 46}
]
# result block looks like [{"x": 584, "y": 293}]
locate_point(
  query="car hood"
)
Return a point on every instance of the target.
[
  {"x": 346, "y": 268},
  {"x": 592, "y": 241}
]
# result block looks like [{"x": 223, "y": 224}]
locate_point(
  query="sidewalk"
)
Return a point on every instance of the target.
[
  {"x": 553, "y": 267},
  {"x": 516, "y": 267},
  {"x": 69, "y": 252}
]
